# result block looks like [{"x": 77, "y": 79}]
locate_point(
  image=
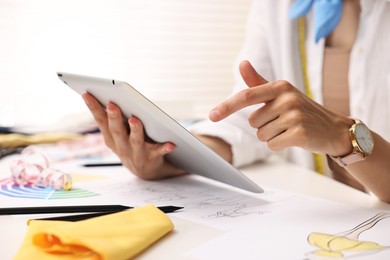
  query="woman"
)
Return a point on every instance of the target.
[{"x": 306, "y": 81}]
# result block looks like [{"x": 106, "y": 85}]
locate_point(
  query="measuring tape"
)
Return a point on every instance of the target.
[{"x": 318, "y": 160}]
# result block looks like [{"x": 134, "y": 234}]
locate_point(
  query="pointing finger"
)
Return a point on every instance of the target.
[
  {"x": 250, "y": 76},
  {"x": 244, "y": 98}
]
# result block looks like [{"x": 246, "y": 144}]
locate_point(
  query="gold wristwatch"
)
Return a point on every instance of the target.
[{"x": 362, "y": 143}]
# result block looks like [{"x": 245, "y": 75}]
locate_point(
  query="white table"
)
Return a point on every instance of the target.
[
  {"x": 274, "y": 173},
  {"x": 187, "y": 234}
]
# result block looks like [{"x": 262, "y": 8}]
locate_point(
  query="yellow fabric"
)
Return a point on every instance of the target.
[
  {"x": 14, "y": 140},
  {"x": 120, "y": 235}
]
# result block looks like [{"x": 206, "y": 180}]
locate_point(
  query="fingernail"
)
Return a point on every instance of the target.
[
  {"x": 169, "y": 148},
  {"x": 131, "y": 123},
  {"x": 214, "y": 115},
  {"x": 110, "y": 112}
]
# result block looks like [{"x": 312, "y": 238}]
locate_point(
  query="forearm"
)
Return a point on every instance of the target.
[{"x": 374, "y": 172}]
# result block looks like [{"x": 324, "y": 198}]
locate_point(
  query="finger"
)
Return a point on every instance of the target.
[
  {"x": 148, "y": 156},
  {"x": 118, "y": 130},
  {"x": 250, "y": 76},
  {"x": 244, "y": 98},
  {"x": 99, "y": 114},
  {"x": 264, "y": 115},
  {"x": 163, "y": 149},
  {"x": 137, "y": 138},
  {"x": 158, "y": 154},
  {"x": 282, "y": 141},
  {"x": 139, "y": 144},
  {"x": 96, "y": 109},
  {"x": 271, "y": 130}
]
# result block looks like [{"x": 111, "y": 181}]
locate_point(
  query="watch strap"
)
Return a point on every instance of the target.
[{"x": 348, "y": 159}]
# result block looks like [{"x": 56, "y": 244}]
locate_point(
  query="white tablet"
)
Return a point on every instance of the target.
[{"x": 190, "y": 153}]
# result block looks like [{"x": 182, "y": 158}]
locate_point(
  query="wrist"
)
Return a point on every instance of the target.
[
  {"x": 342, "y": 144},
  {"x": 218, "y": 145}
]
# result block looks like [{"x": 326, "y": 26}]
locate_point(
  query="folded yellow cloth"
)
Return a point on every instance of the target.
[
  {"x": 120, "y": 235},
  {"x": 13, "y": 140}
]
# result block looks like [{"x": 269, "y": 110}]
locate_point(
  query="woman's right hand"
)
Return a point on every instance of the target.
[{"x": 142, "y": 157}]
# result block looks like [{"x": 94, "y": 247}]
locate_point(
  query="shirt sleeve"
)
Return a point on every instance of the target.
[
  {"x": 235, "y": 130},
  {"x": 246, "y": 148}
]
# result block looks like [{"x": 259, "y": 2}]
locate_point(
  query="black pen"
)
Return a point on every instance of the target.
[
  {"x": 73, "y": 218},
  {"x": 69, "y": 209},
  {"x": 101, "y": 164}
]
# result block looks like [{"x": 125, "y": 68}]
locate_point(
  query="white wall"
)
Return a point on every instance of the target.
[{"x": 179, "y": 53}]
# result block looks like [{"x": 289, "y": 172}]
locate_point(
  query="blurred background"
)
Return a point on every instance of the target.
[{"x": 178, "y": 53}]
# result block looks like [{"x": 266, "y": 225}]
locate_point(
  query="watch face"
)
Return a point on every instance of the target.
[{"x": 364, "y": 138}]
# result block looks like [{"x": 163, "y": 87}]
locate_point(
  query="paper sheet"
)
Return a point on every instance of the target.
[
  {"x": 306, "y": 229},
  {"x": 272, "y": 225}
]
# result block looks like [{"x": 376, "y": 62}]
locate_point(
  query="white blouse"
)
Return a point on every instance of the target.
[{"x": 272, "y": 47}]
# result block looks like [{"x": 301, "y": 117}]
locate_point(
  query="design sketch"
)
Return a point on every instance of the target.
[
  {"x": 240, "y": 208},
  {"x": 337, "y": 246},
  {"x": 204, "y": 201},
  {"x": 197, "y": 197},
  {"x": 237, "y": 210}
]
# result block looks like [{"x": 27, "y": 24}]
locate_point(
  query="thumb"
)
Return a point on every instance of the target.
[{"x": 250, "y": 76}]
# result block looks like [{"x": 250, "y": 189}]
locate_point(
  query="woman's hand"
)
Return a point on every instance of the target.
[
  {"x": 142, "y": 157},
  {"x": 288, "y": 117}
]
